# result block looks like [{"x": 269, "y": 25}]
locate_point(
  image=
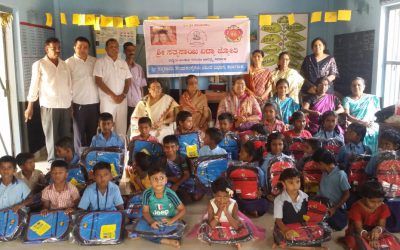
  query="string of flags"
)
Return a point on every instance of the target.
[{"x": 133, "y": 21}]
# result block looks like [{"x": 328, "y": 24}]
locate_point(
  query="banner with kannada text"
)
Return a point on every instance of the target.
[{"x": 203, "y": 47}]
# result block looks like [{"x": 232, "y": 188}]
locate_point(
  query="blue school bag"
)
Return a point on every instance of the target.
[
  {"x": 135, "y": 208},
  {"x": 151, "y": 148},
  {"x": 11, "y": 224},
  {"x": 76, "y": 177},
  {"x": 51, "y": 228},
  {"x": 209, "y": 168},
  {"x": 141, "y": 228},
  {"x": 189, "y": 144},
  {"x": 173, "y": 169},
  {"x": 99, "y": 228},
  {"x": 230, "y": 143},
  {"x": 112, "y": 155}
]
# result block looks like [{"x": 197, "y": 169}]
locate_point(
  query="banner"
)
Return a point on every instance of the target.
[
  {"x": 177, "y": 48},
  {"x": 280, "y": 36}
]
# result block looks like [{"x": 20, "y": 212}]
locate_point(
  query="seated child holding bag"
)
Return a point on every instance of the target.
[
  {"x": 212, "y": 138},
  {"x": 145, "y": 124}
]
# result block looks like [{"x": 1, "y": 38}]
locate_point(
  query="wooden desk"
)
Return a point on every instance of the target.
[{"x": 215, "y": 96}]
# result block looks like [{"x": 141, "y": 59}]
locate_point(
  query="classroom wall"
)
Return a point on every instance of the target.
[{"x": 30, "y": 10}]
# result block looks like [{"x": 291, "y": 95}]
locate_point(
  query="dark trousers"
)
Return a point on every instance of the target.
[
  {"x": 130, "y": 111},
  {"x": 85, "y": 120}
]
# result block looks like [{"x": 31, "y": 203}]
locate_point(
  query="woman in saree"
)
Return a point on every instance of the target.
[
  {"x": 242, "y": 105},
  {"x": 159, "y": 107},
  {"x": 195, "y": 102},
  {"x": 317, "y": 104},
  {"x": 258, "y": 81},
  {"x": 319, "y": 64},
  {"x": 361, "y": 108},
  {"x": 287, "y": 104},
  {"x": 294, "y": 79}
]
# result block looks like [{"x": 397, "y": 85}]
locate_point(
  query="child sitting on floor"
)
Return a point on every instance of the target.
[
  {"x": 272, "y": 120},
  {"x": 275, "y": 147},
  {"x": 32, "y": 177},
  {"x": 212, "y": 138},
  {"x": 107, "y": 137},
  {"x": 329, "y": 128},
  {"x": 299, "y": 122},
  {"x": 137, "y": 173},
  {"x": 144, "y": 124},
  {"x": 230, "y": 141},
  {"x": 226, "y": 122}
]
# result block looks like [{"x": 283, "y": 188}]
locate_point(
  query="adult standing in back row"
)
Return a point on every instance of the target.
[
  {"x": 113, "y": 79},
  {"x": 51, "y": 84},
  {"x": 85, "y": 94}
]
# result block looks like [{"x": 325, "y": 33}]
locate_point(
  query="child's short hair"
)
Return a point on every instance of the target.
[
  {"x": 105, "y": 116},
  {"x": 314, "y": 143},
  {"x": 65, "y": 143},
  {"x": 170, "y": 139},
  {"x": 275, "y": 136},
  {"x": 289, "y": 173},
  {"x": 295, "y": 116},
  {"x": 143, "y": 161},
  {"x": 372, "y": 189},
  {"x": 100, "y": 166},
  {"x": 255, "y": 153},
  {"x": 325, "y": 156},
  {"x": 215, "y": 135},
  {"x": 10, "y": 159},
  {"x": 59, "y": 164},
  {"x": 155, "y": 169},
  {"x": 24, "y": 157},
  {"x": 390, "y": 135},
  {"x": 144, "y": 120},
  {"x": 220, "y": 185},
  {"x": 226, "y": 116},
  {"x": 359, "y": 129},
  {"x": 259, "y": 128},
  {"x": 182, "y": 116}
]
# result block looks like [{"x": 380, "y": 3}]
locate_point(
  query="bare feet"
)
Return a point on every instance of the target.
[
  {"x": 238, "y": 246},
  {"x": 173, "y": 243}
]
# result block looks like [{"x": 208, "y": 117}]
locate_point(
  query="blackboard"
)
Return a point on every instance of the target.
[{"x": 354, "y": 54}]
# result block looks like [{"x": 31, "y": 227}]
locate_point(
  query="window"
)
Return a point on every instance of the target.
[{"x": 391, "y": 78}]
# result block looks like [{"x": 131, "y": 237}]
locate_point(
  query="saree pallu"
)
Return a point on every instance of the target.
[
  {"x": 287, "y": 107},
  {"x": 295, "y": 82},
  {"x": 157, "y": 112},
  {"x": 364, "y": 109},
  {"x": 326, "y": 103},
  {"x": 198, "y": 106},
  {"x": 258, "y": 80}
]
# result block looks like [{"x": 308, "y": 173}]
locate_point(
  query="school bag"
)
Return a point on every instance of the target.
[
  {"x": 296, "y": 147},
  {"x": 189, "y": 144},
  {"x": 388, "y": 173},
  {"x": 356, "y": 174},
  {"x": 332, "y": 145},
  {"x": 311, "y": 175},
  {"x": 276, "y": 167},
  {"x": 317, "y": 209},
  {"x": 134, "y": 208},
  {"x": 141, "y": 228},
  {"x": 224, "y": 233},
  {"x": 77, "y": 176},
  {"x": 231, "y": 144},
  {"x": 393, "y": 222},
  {"x": 151, "y": 148},
  {"x": 173, "y": 169},
  {"x": 387, "y": 241},
  {"x": 11, "y": 224},
  {"x": 53, "y": 227},
  {"x": 245, "y": 180},
  {"x": 112, "y": 155},
  {"x": 209, "y": 168},
  {"x": 99, "y": 228}
]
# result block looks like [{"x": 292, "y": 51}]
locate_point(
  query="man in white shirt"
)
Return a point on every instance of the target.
[
  {"x": 113, "y": 79},
  {"x": 85, "y": 94},
  {"x": 51, "y": 84},
  {"x": 135, "y": 93}
]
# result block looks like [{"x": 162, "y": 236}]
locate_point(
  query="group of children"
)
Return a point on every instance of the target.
[{"x": 167, "y": 182}]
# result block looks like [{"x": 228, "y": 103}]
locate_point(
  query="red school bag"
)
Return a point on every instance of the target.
[
  {"x": 245, "y": 180},
  {"x": 312, "y": 176},
  {"x": 296, "y": 147},
  {"x": 276, "y": 167},
  {"x": 357, "y": 165},
  {"x": 333, "y": 145},
  {"x": 388, "y": 173}
]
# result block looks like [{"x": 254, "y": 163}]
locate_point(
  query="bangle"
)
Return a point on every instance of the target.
[
  {"x": 362, "y": 231},
  {"x": 380, "y": 229}
]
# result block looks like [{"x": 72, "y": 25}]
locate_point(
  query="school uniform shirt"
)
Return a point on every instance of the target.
[
  {"x": 61, "y": 200},
  {"x": 137, "y": 83},
  {"x": 288, "y": 210},
  {"x": 333, "y": 185},
  {"x": 329, "y": 135},
  {"x": 93, "y": 200},
  {"x": 50, "y": 84},
  {"x": 84, "y": 88},
  {"x": 164, "y": 207},
  {"x": 206, "y": 150},
  {"x": 114, "y": 141},
  {"x": 349, "y": 149},
  {"x": 32, "y": 182},
  {"x": 113, "y": 74},
  {"x": 14, "y": 193}
]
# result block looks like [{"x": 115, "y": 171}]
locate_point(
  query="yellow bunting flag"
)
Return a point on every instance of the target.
[
  {"x": 164, "y": 17},
  {"x": 90, "y": 19},
  {"x": 106, "y": 21},
  {"x": 344, "y": 15},
  {"x": 240, "y": 17},
  {"x": 75, "y": 19},
  {"x": 291, "y": 20},
  {"x": 81, "y": 19},
  {"x": 316, "y": 17},
  {"x": 331, "y": 17},
  {"x": 118, "y": 22},
  {"x": 153, "y": 18},
  {"x": 49, "y": 19},
  {"x": 100, "y": 51},
  {"x": 188, "y": 17},
  {"x": 63, "y": 18},
  {"x": 213, "y": 17},
  {"x": 265, "y": 20},
  {"x": 132, "y": 21},
  {"x": 97, "y": 24}
]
